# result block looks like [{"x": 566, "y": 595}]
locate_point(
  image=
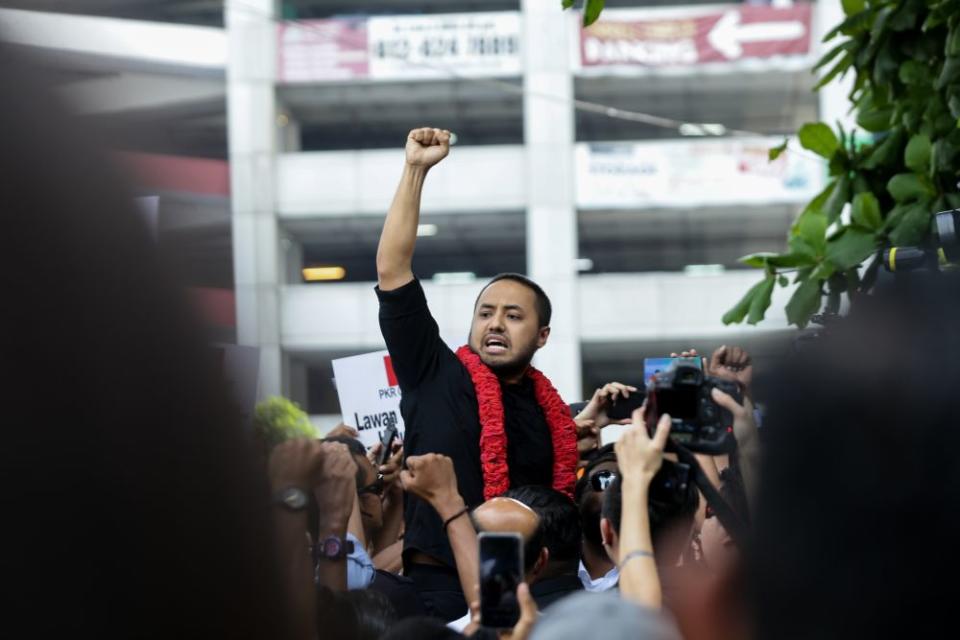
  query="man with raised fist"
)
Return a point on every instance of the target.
[{"x": 497, "y": 418}]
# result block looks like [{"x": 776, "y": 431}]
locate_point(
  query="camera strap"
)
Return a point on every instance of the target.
[{"x": 728, "y": 518}]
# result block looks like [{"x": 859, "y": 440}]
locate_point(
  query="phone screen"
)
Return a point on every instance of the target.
[
  {"x": 501, "y": 572},
  {"x": 386, "y": 440},
  {"x": 653, "y": 366}
]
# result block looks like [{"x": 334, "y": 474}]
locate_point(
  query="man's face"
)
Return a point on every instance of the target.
[
  {"x": 506, "y": 331},
  {"x": 371, "y": 506}
]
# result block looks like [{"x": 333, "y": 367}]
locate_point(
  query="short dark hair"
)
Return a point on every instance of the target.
[
  {"x": 375, "y": 614},
  {"x": 559, "y": 519},
  {"x": 603, "y": 454},
  {"x": 589, "y": 502},
  {"x": 531, "y": 547},
  {"x": 544, "y": 308},
  {"x": 663, "y": 516}
]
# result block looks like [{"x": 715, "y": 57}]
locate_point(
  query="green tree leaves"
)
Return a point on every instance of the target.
[
  {"x": 905, "y": 187},
  {"x": 866, "y": 211},
  {"x": 754, "y": 304},
  {"x": 819, "y": 138},
  {"x": 777, "y": 151},
  {"x": 804, "y": 302},
  {"x": 917, "y": 154},
  {"x": 592, "y": 11},
  {"x": 892, "y": 174},
  {"x": 851, "y": 247}
]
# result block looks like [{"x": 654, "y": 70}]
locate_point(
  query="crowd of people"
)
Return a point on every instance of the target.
[{"x": 137, "y": 508}]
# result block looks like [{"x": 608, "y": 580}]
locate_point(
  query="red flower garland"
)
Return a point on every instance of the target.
[{"x": 493, "y": 437}]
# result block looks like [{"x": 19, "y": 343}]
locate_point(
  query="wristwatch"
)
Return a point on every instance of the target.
[
  {"x": 292, "y": 499},
  {"x": 332, "y": 548}
]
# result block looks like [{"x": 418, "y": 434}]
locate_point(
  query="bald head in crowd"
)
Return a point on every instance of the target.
[{"x": 506, "y": 515}]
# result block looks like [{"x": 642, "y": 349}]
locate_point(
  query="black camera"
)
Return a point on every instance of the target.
[
  {"x": 945, "y": 249},
  {"x": 698, "y": 423}
]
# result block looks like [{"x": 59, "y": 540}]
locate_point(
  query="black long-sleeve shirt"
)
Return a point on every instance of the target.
[{"x": 439, "y": 408}]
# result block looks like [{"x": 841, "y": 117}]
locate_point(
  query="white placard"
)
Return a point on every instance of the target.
[
  {"x": 369, "y": 395},
  {"x": 612, "y": 433},
  {"x": 436, "y": 46},
  {"x": 696, "y": 172}
]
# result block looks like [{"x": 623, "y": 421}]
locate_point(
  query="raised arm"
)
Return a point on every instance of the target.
[
  {"x": 425, "y": 148},
  {"x": 639, "y": 458},
  {"x": 432, "y": 478}
]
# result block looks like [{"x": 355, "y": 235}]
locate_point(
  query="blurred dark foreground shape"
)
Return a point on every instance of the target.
[
  {"x": 857, "y": 523},
  {"x": 131, "y": 505}
]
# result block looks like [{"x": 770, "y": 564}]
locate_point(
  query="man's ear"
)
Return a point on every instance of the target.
[
  {"x": 542, "y": 336},
  {"x": 607, "y": 533},
  {"x": 539, "y": 565}
]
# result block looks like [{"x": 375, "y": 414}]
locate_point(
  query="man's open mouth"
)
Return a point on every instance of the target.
[{"x": 495, "y": 345}]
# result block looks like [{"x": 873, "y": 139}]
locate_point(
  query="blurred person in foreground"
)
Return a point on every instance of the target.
[
  {"x": 858, "y": 479},
  {"x": 133, "y": 505},
  {"x": 500, "y": 421}
]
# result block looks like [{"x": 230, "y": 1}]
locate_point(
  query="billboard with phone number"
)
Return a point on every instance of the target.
[{"x": 400, "y": 47}]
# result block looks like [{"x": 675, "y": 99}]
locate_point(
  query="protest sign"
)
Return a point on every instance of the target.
[{"x": 369, "y": 395}]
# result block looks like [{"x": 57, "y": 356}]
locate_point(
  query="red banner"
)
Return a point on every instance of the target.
[{"x": 671, "y": 38}]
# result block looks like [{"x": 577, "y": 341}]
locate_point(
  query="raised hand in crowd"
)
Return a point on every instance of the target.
[
  {"x": 390, "y": 470},
  {"x": 596, "y": 409},
  {"x": 639, "y": 458},
  {"x": 426, "y": 147},
  {"x": 295, "y": 469},
  {"x": 733, "y": 363},
  {"x": 520, "y": 631},
  {"x": 748, "y": 439},
  {"x": 588, "y": 438},
  {"x": 431, "y": 477},
  {"x": 335, "y": 493},
  {"x": 389, "y": 534}
]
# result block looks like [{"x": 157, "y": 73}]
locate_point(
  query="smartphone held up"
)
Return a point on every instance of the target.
[{"x": 501, "y": 572}]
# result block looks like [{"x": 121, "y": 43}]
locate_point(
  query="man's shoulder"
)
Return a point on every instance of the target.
[{"x": 405, "y": 299}]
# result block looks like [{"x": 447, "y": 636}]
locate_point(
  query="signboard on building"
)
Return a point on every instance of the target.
[
  {"x": 369, "y": 395},
  {"x": 688, "y": 173},
  {"x": 662, "y": 38},
  {"x": 328, "y": 50},
  {"x": 401, "y": 47},
  {"x": 434, "y": 46}
]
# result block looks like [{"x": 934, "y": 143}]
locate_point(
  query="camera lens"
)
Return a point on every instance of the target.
[{"x": 947, "y": 223}]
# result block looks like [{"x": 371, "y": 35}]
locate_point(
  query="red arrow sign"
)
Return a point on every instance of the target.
[{"x": 669, "y": 37}]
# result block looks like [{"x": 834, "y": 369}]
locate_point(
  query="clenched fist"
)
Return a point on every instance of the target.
[
  {"x": 432, "y": 478},
  {"x": 426, "y": 147}
]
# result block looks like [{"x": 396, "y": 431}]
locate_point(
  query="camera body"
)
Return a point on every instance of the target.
[{"x": 698, "y": 423}]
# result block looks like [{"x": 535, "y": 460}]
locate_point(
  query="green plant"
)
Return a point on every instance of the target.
[
  {"x": 277, "y": 419},
  {"x": 591, "y": 9},
  {"x": 905, "y": 55}
]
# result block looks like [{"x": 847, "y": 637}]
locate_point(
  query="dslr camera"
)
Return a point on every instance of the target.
[{"x": 698, "y": 423}]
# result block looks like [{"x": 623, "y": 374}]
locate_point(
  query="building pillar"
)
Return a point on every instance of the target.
[
  {"x": 551, "y": 211},
  {"x": 251, "y": 130},
  {"x": 834, "y": 100}
]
